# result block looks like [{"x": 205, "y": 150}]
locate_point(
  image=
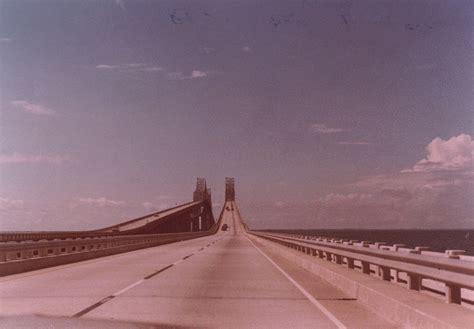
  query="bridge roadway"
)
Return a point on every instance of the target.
[{"x": 219, "y": 281}]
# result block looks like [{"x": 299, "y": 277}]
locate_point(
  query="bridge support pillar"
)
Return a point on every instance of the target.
[
  {"x": 328, "y": 256},
  {"x": 453, "y": 294},
  {"x": 338, "y": 259},
  {"x": 350, "y": 263},
  {"x": 386, "y": 275},
  {"x": 3, "y": 256},
  {"x": 414, "y": 281},
  {"x": 365, "y": 267},
  {"x": 320, "y": 254}
]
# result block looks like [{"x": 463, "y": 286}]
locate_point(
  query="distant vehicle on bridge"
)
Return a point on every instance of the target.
[
  {"x": 224, "y": 227},
  {"x": 227, "y": 208}
]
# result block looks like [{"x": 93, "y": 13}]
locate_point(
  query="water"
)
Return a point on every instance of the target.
[{"x": 437, "y": 240}]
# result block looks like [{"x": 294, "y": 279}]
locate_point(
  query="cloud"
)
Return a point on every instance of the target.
[
  {"x": 321, "y": 128},
  {"x": 101, "y": 202},
  {"x": 18, "y": 158},
  {"x": 175, "y": 75},
  {"x": 32, "y": 107},
  {"x": 105, "y": 67},
  {"x": 121, "y": 4},
  {"x": 354, "y": 198},
  {"x": 443, "y": 184},
  {"x": 153, "y": 69},
  {"x": 246, "y": 49},
  {"x": 148, "y": 205},
  {"x": 198, "y": 74},
  {"x": 207, "y": 50},
  {"x": 195, "y": 74},
  {"x": 353, "y": 143},
  {"x": 7, "y": 204},
  {"x": 131, "y": 67},
  {"x": 453, "y": 154},
  {"x": 5, "y": 40},
  {"x": 136, "y": 65}
]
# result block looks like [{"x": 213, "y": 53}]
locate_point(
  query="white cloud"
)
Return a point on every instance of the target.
[
  {"x": 353, "y": 143},
  {"x": 207, "y": 50},
  {"x": 443, "y": 184},
  {"x": 32, "y": 107},
  {"x": 175, "y": 75},
  {"x": 136, "y": 64},
  {"x": 30, "y": 158},
  {"x": 195, "y": 74},
  {"x": 453, "y": 154},
  {"x": 7, "y": 204},
  {"x": 5, "y": 39},
  {"x": 153, "y": 69},
  {"x": 101, "y": 202},
  {"x": 131, "y": 67},
  {"x": 105, "y": 67},
  {"x": 149, "y": 205},
  {"x": 354, "y": 198},
  {"x": 321, "y": 128},
  {"x": 246, "y": 49},
  {"x": 198, "y": 74},
  {"x": 121, "y": 4}
]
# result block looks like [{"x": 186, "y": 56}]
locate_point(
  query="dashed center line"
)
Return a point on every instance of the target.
[{"x": 149, "y": 276}]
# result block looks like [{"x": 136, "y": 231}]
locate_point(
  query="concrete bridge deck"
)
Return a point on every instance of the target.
[{"x": 219, "y": 281}]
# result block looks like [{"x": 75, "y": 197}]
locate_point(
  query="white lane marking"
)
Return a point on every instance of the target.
[
  {"x": 178, "y": 261},
  {"x": 138, "y": 282},
  {"x": 303, "y": 290},
  {"x": 128, "y": 288}
]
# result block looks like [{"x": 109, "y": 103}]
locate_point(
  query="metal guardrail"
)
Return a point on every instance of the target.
[{"x": 453, "y": 272}]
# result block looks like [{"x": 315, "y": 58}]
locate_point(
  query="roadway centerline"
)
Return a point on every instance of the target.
[
  {"x": 118, "y": 293},
  {"x": 310, "y": 297}
]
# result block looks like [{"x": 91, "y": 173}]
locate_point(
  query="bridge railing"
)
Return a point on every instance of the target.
[
  {"x": 16, "y": 257},
  {"x": 411, "y": 267}
]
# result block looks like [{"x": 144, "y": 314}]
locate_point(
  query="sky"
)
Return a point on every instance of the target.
[{"x": 329, "y": 114}]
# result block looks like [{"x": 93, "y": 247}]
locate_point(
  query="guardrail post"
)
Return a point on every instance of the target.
[
  {"x": 453, "y": 294},
  {"x": 350, "y": 263},
  {"x": 365, "y": 267},
  {"x": 328, "y": 256},
  {"x": 419, "y": 249},
  {"x": 454, "y": 254},
  {"x": 414, "y": 281},
  {"x": 386, "y": 276},
  {"x": 397, "y": 246}
]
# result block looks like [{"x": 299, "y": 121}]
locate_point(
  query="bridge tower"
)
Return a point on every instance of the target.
[
  {"x": 202, "y": 193},
  {"x": 229, "y": 189}
]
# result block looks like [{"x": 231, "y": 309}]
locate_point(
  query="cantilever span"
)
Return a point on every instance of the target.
[{"x": 195, "y": 216}]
